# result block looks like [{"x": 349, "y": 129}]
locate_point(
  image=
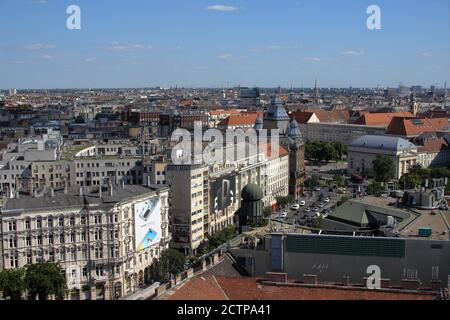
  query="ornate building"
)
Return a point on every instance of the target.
[{"x": 291, "y": 139}]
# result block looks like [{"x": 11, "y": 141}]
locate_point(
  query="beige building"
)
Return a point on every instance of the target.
[
  {"x": 363, "y": 151},
  {"x": 95, "y": 235}
]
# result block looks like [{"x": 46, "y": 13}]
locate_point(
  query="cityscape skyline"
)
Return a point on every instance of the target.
[{"x": 214, "y": 44}]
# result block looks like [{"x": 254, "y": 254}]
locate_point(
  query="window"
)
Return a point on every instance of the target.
[
  {"x": 61, "y": 222},
  {"x": 12, "y": 226},
  {"x": 29, "y": 258},
  {"x": 83, "y": 236},
  {"x": 62, "y": 255},
  {"x": 50, "y": 239},
  {"x": 116, "y": 218},
  {"x": 50, "y": 222},
  {"x": 84, "y": 272},
  {"x": 99, "y": 271},
  {"x": 72, "y": 237},
  {"x": 73, "y": 255},
  {"x": 98, "y": 235},
  {"x": 98, "y": 253},
  {"x": 39, "y": 240},
  {"x": 61, "y": 238},
  {"x": 12, "y": 242},
  {"x": 28, "y": 241},
  {"x": 27, "y": 224},
  {"x": 72, "y": 221},
  {"x": 39, "y": 223},
  {"x": 97, "y": 219},
  {"x": 83, "y": 220}
]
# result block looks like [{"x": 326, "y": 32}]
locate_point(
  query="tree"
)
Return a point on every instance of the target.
[
  {"x": 374, "y": 188},
  {"x": 282, "y": 201},
  {"x": 312, "y": 182},
  {"x": 267, "y": 211},
  {"x": 44, "y": 279},
  {"x": 12, "y": 283},
  {"x": 170, "y": 262},
  {"x": 383, "y": 168},
  {"x": 339, "y": 180}
]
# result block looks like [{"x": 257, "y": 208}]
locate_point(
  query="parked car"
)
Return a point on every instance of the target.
[
  {"x": 283, "y": 215},
  {"x": 327, "y": 200},
  {"x": 307, "y": 210},
  {"x": 322, "y": 205},
  {"x": 316, "y": 189},
  {"x": 302, "y": 203},
  {"x": 295, "y": 207}
]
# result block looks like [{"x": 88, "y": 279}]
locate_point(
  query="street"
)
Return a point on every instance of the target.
[{"x": 306, "y": 213}]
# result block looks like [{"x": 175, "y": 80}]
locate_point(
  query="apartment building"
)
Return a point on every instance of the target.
[
  {"x": 99, "y": 236},
  {"x": 189, "y": 205}
]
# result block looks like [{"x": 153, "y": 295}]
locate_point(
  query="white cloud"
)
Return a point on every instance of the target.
[
  {"x": 353, "y": 53},
  {"x": 222, "y": 8},
  {"x": 225, "y": 56},
  {"x": 92, "y": 59},
  {"x": 39, "y": 1},
  {"x": 40, "y": 46},
  {"x": 427, "y": 54},
  {"x": 315, "y": 59},
  {"x": 116, "y": 46},
  {"x": 47, "y": 56}
]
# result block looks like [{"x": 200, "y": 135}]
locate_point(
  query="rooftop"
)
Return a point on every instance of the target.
[{"x": 382, "y": 142}]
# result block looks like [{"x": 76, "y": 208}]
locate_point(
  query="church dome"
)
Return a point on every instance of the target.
[{"x": 251, "y": 192}]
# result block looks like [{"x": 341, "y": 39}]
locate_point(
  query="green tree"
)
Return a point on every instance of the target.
[
  {"x": 44, "y": 279},
  {"x": 339, "y": 180},
  {"x": 375, "y": 188},
  {"x": 267, "y": 211},
  {"x": 312, "y": 182},
  {"x": 383, "y": 168},
  {"x": 282, "y": 201},
  {"x": 12, "y": 283},
  {"x": 170, "y": 262}
]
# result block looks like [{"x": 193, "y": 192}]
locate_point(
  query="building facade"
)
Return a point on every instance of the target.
[{"x": 94, "y": 234}]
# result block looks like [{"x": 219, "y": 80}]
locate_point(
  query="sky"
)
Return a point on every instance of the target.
[{"x": 205, "y": 43}]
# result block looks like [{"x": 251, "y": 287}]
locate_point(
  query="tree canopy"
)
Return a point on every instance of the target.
[
  {"x": 44, "y": 279},
  {"x": 170, "y": 262},
  {"x": 327, "y": 151},
  {"x": 383, "y": 168}
]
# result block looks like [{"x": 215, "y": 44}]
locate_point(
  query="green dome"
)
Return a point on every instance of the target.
[{"x": 251, "y": 192}]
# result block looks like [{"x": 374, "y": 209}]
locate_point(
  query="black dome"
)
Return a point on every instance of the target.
[{"x": 251, "y": 192}]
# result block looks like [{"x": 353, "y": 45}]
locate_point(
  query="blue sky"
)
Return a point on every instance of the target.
[{"x": 141, "y": 43}]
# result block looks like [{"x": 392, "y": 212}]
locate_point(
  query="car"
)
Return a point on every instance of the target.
[
  {"x": 316, "y": 210},
  {"x": 283, "y": 215},
  {"x": 322, "y": 205},
  {"x": 316, "y": 189},
  {"x": 295, "y": 207},
  {"x": 307, "y": 210},
  {"x": 302, "y": 203},
  {"x": 327, "y": 200}
]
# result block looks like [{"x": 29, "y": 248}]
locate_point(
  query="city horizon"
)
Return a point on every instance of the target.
[{"x": 214, "y": 44}]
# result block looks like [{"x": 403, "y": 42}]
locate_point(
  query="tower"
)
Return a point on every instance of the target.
[
  {"x": 413, "y": 105},
  {"x": 276, "y": 116}
]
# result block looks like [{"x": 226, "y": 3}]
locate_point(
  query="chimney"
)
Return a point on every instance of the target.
[
  {"x": 148, "y": 181},
  {"x": 123, "y": 183}
]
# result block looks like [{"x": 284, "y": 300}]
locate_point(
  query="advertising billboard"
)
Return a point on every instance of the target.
[
  {"x": 147, "y": 223},
  {"x": 223, "y": 192}
]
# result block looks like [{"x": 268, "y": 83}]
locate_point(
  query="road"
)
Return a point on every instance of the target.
[{"x": 301, "y": 216}]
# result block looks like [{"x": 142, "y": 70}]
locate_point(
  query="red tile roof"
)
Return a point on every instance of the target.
[
  {"x": 302, "y": 117},
  {"x": 247, "y": 288},
  {"x": 413, "y": 127},
  {"x": 242, "y": 119},
  {"x": 381, "y": 119},
  {"x": 433, "y": 145}
]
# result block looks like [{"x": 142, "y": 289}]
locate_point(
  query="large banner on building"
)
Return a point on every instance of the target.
[
  {"x": 223, "y": 191},
  {"x": 147, "y": 223}
]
